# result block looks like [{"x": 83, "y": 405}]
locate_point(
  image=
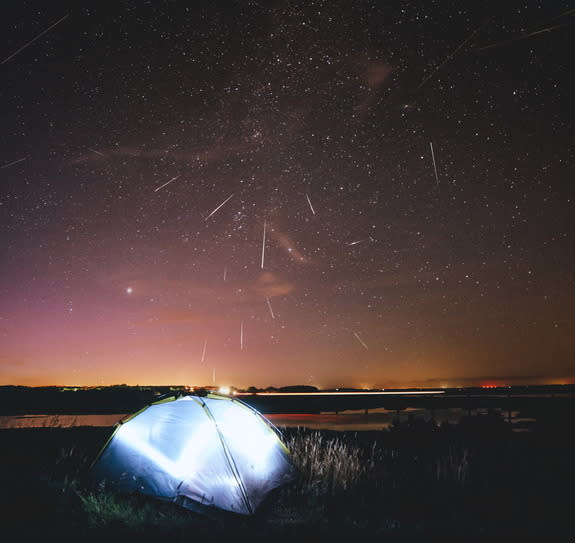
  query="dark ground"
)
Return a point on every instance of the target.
[{"x": 474, "y": 480}]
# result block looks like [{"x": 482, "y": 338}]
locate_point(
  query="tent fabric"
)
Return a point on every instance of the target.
[{"x": 212, "y": 451}]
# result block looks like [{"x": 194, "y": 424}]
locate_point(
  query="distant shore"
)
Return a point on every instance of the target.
[{"x": 127, "y": 399}]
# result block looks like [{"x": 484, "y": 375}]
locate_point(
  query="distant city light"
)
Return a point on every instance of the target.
[
  {"x": 224, "y": 390},
  {"x": 368, "y": 393}
]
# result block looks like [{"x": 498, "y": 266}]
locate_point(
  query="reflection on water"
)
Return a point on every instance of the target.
[
  {"x": 376, "y": 419},
  {"x": 57, "y": 421}
]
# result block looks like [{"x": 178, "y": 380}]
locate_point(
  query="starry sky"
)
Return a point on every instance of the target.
[{"x": 333, "y": 193}]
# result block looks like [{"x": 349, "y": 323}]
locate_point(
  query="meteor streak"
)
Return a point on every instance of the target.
[
  {"x": 161, "y": 186},
  {"x": 204, "y": 350},
  {"x": 270, "y": 307},
  {"x": 33, "y": 40},
  {"x": 359, "y": 339},
  {"x": 522, "y": 37},
  {"x": 434, "y": 165},
  {"x": 309, "y": 202},
  {"x": 264, "y": 245},
  {"x": 449, "y": 57},
  {"x": 12, "y": 163},
  {"x": 242, "y": 335},
  {"x": 222, "y": 204}
]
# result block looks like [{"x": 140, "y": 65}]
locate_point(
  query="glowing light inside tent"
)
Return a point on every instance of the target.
[
  {"x": 214, "y": 451},
  {"x": 246, "y": 434},
  {"x": 186, "y": 462},
  {"x": 130, "y": 437}
]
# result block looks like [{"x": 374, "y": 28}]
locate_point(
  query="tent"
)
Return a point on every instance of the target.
[{"x": 197, "y": 451}]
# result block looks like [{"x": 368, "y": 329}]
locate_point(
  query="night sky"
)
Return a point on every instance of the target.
[{"x": 358, "y": 193}]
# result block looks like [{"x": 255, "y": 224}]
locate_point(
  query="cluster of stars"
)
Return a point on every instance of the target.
[{"x": 346, "y": 191}]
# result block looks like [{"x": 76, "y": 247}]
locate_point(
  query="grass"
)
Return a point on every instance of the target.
[
  {"x": 329, "y": 469},
  {"x": 352, "y": 477},
  {"x": 137, "y": 514},
  {"x": 343, "y": 478},
  {"x": 414, "y": 479},
  {"x": 328, "y": 466}
]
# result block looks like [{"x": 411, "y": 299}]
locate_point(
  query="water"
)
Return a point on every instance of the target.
[
  {"x": 57, "y": 421},
  {"x": 377, "y": 419}
]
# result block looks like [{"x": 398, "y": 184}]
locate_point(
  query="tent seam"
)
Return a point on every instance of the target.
[{"x": 229, "y": 457}]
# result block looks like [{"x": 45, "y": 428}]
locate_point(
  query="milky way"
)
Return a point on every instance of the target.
[{"x": 292, "y": 192}]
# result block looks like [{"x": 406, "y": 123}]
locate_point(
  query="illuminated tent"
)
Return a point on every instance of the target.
[{"x": 197, "y": 451}]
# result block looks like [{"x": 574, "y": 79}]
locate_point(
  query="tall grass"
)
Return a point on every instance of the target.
[
  {"x": 334, "y": 471},
  {"x": 454, "y": 467},
  {"x": 340, "y": 475},
  {"x": 132, "y": 512},
  {"x": 328, "y": 465},
  {"x": 347, "y": 476}
]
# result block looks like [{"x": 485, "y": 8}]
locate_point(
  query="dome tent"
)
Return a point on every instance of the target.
[{"x": 197, "y": 451}]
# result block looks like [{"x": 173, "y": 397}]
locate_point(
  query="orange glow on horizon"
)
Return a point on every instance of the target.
[{"x": 367, "y": 392}]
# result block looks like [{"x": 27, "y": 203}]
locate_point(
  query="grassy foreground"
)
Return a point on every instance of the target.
[{"x": 414, "y": 481}]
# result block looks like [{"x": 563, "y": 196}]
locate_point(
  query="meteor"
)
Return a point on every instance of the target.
[
  {"x": 33, "y": 40},
  {"x": 161, "y": 186},
  {"x": 204, "y": 350},
  {"x": 270, "y": 307},
  {"x": 449, "y": 57},
  {"x": 222, "y": 204},
  {"x": 12, "y": 163},
  {"x": 434, "y": 165},
  {"x": 359, "y": 339},
  {"x": 264, "y": 245},
  {"x": 309, "y": 202}
]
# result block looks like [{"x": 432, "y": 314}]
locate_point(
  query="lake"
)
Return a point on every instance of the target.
[{"x": 376, "y": 419}]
